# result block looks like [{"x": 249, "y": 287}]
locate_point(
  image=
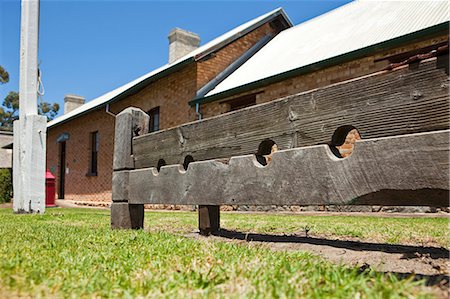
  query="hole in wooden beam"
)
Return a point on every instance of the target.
[
  {"x": 188, "y": 159},
  {"x": 265, "y": 151},
  {"x": 161, "y": 163},
  {"x": 343, "y": 141}
]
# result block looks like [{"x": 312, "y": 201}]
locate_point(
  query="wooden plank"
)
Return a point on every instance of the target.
[
  {"x": 411, "y": 169},
  {"x": 130, "y": 123},
  {"x": 402, "y": 101},
  {"x": 120, "y": 186}
]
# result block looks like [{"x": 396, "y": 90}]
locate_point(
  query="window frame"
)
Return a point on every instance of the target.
[
  {"x": 154, "y": 119},
  {"x": 94, "y": 148}
]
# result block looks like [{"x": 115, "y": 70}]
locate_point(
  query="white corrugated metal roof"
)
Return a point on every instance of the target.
[
  {"x": 230, "y": 35},
  {"x": 350, "y": 27}
]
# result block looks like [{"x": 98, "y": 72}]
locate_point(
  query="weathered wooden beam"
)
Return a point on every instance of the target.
[
  {"x": 130, "y": 123},
  {"x": 389, "y": 103},
  {"x": 120, "y": 186},
  {"x": 127, "y": 216},
  {"x": 208, "y": 219},
  {"x": 411, "y": 169}
]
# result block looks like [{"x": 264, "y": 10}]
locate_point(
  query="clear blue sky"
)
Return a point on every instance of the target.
[{"x": 91, "y": 47}]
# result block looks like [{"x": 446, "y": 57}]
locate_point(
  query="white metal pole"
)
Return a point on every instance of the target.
[{"x": 30, "y": 129}]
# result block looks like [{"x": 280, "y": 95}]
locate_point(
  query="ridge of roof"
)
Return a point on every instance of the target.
[{"x": 166, "y": 69}]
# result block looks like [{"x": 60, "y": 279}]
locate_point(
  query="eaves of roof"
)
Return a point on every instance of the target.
[
  {"x": 132, "y": 90},
  {"x": 392, "y": 43}
]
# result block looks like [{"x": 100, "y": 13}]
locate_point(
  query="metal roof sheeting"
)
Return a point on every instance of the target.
[
  {"x": 199, "y": 52},
  {"x": 348, "y": 28}
]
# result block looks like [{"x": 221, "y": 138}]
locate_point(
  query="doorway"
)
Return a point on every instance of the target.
[{"x": 62, "y": 169}]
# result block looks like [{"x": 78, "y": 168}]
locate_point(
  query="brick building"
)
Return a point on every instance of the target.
[
  {"x": 259, "y": 61},
  {"x": 80, "y": 143}
]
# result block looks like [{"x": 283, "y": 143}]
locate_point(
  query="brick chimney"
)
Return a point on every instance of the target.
[
  {"x": 181, "y": 42},
  {"x": 72, "y": 102}
]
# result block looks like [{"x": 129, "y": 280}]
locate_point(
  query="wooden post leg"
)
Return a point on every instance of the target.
[
  {"x": 130, "y": 123},
  {"x": 127, "y": 216},
  {"x": 208, "y": 219}
]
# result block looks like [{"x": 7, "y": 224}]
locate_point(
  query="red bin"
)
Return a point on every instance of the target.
[{"x": 50, "y": 189}]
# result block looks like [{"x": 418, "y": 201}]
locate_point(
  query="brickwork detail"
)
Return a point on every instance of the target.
[
  {"x": 209, "y": 68},
  {"x": 346, "y": 149},
  {"x": 79, "y": 185}
]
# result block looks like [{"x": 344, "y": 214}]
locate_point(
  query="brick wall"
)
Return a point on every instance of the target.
[
  {"x": 346, "y": 149},
  {"x": 171, "y": 94},
  {"x": 209, "y": 68},
  {"x": 78, "y": 156}
]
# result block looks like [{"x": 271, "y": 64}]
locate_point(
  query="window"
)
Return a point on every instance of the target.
[
  {"x": 94, "y": 146},
  {"x": 154, "y": 120}
]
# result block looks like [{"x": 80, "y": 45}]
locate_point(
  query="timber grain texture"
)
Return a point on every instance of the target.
[
  {"x": 130, "y": 122},
  {"x": 397, "y": 166},
  {"x": 398, "y": 102}
]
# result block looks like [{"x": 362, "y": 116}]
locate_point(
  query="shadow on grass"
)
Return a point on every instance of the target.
[
  {"x": 440, "y": 280},
  {"x": 408, "y": 251}
]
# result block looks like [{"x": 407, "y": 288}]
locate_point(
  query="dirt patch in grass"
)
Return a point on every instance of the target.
[
  {"x": 404, "y": 261},
  {"x": 383, "y": 257}
]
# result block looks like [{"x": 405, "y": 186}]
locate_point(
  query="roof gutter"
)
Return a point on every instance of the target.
[
  {"x": 227, "y": 71},
  {"x": 133, "y": 89},
  {"x": 395, "y": 42},
  {"x": 139, "y": 86}
]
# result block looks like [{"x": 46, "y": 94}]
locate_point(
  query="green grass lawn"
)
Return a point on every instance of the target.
[{"x": 73, "y": 253}]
